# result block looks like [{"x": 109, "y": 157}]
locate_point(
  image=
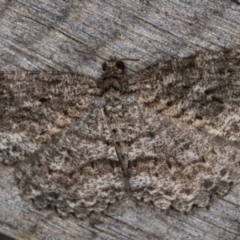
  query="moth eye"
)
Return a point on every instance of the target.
[
  {"x": 120, "y": 65},
  {"x": 104, "y": 67}
]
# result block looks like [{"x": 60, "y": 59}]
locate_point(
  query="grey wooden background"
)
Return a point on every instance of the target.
[{"x": 46, "y": 34}]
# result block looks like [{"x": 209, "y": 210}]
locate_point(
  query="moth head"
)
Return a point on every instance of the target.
[{"x": 113, "y": 69}]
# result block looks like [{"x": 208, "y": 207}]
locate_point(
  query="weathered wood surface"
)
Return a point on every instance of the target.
[{"x": 44, "y": 35}]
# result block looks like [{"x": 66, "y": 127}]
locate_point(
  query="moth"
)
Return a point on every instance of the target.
[{"x": 168, "y": 135}]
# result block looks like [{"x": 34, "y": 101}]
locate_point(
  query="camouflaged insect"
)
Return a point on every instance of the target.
[{"x": 169, "y": 135}]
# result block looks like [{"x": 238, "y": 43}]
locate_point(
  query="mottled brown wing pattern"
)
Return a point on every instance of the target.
[
  {"x": 202, "y": 90},
  {"x": 78, "y": 172},
  {"x": 168, "y": 162},
  {"x": 191, "y": 108},
  {"x": 35, "y": 106},
  {"x": 169, "y": 135},
  {"x": 180, "y": 166},
  {"x": 53, "y": 125}
]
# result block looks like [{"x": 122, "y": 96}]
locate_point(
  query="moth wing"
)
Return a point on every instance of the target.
[
  {"x": 176, "y": 165},
  {"x": 78, "y": 172},
  {"x": 53, "y": 126},
  {"x": 201, "y": 90},
  {"x": 36, "y": 106},
  {"x": 191, "y": 112}
]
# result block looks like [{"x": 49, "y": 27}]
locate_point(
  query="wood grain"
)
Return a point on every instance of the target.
[{"x": 45, "y": 35}]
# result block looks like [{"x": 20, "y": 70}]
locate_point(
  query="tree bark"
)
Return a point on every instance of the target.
[{"x": 48, "y": 35}]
